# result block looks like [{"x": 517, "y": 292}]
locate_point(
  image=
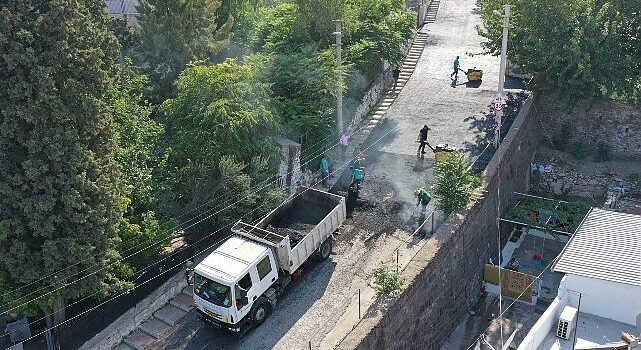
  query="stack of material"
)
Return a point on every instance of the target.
[{"x": 295, "y": 231}]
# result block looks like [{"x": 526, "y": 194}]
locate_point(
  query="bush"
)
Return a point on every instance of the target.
[
  {"x": 602, "y": 151},
  {"x": 455, "y": 184},
  {"x": 387, "y": 281},
  {"x": 562, "y": 137},
  {"x": 579, "y": 151}
]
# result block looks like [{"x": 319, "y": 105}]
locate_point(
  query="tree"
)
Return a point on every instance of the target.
[
  {"x": 175, "y": 33},
  {"x": 218, "y": 132},
  {"x": 136, "y": 153},
  {"x": 577, "y": 49},
  {"x": 455, "y": 183},
  {"x": 59, "y": 195},
  {"x": 376, "y": 30}
]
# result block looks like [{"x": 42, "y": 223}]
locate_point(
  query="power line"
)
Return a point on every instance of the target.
[
  {"x": 182, "y": 262},
  {"x": 122, "y": 259},
  {"x": 157, "y": 241}
]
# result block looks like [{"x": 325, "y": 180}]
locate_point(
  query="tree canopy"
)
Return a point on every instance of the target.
[
  {"x": 60, "y": 200},
  {"x": 175, "y": 33},
  {"x": 577, "y": 49}
]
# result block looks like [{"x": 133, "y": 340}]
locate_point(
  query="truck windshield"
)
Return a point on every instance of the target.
[{"x": 212, "y": 291}]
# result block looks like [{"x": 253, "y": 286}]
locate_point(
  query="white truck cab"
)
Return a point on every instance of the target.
[{"x": 227, "y": 294}]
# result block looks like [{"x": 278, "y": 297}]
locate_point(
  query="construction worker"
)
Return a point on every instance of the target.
[
  {"x": 423, "y": 198},
  {"x": 357, "y": 177},
  {"x": 324, "y": 170},
  {"x": 457, "y": 67},
  {"x": 422, "y": 139}
]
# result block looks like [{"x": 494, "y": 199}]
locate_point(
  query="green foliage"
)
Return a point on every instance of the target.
[
  {"x": 561, "y": 139},
  {"x": 218, "y": 128},
  {"x": 455, "y": 184},
  {"x": 603, "y": 150},
  {"x": 175, "y": 33},
  {"x": 579, "y": 151},
  {"x": 567, "y": 215},
  {"x": 136, "y": 136},
  {"x": 60, "y": 201},
  {"x": 387, "y": 281},
  {"x": 375, "y": 30},
  {"x": 579, "y": 49}
]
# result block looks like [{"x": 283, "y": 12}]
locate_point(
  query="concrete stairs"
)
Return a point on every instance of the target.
[
  {"x": 432, "y": 10},
  {"x": 377, "y": 115},
  {"x": 157, "y": 326}
]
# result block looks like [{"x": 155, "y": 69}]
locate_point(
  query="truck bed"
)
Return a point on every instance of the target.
[{"x": 298, "y": 226}]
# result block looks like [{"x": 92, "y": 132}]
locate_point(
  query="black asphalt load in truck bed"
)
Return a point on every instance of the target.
[{"x": 300, "y": 216}]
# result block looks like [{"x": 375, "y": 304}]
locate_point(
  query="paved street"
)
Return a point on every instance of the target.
[{"x": 322, "y": 307}]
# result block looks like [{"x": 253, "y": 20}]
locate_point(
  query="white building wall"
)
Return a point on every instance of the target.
[{"x": 616, "y": 301}]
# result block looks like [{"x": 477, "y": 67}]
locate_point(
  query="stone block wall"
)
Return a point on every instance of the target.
[
  {"x": 444, "y": 278},
  {"x": 617, "y": 124}
]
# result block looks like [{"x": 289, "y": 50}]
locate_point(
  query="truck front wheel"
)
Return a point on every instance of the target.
[
  {"x": 325, "y": 249},
  {"x": 261, "y": 313}
]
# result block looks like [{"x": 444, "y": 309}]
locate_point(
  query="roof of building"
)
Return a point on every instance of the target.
[
  {"x": 232, "y": 259},
  {"x": 606, "y": 246},
  {"x": 122, "y": 7}
]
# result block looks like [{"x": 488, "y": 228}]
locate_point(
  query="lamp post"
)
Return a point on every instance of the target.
[{"x": 499, "y": 100}]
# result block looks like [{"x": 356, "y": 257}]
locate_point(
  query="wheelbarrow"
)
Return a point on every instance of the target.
[
  {"x": 442, "y": 151},
  {"x": 474, "y": 74}
]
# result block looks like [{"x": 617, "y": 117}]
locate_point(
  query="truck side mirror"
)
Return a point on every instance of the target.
[{"x": 189, "y": 276}]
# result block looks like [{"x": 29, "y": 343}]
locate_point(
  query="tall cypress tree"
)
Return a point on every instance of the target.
[{"x": 59, "y": 198}]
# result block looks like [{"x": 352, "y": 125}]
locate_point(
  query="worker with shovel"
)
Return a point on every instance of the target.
[
  {"x": 423, "y": 199},
  {"x": 422, "y": 139}
]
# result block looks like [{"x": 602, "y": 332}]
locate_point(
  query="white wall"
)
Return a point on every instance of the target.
[{"x": 616, "y": 301}]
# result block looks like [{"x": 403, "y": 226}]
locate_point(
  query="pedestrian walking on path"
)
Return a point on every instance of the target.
[
  {"x": 396, "y": 73},
  {"x": 457, "y": 67},
  {"x": 422, "y": 139},
  {"x": 423, "y": 198},
  {"x": 324, "y": 170},
  {"x": 343, "y": 142}
]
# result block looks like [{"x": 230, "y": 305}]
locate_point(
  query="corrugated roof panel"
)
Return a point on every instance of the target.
[{"x": 606, "y": 246}]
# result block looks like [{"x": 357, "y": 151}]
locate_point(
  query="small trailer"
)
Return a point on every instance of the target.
[{"x": 238, "y": 284}]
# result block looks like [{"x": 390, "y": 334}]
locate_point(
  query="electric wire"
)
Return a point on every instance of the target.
[{"x": 182, "y": 262}]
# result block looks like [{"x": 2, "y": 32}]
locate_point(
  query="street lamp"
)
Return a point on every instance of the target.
[{"x": 499, "y": 100}]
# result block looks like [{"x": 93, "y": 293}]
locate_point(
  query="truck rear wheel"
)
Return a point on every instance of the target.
[
  {"x": 261, "y": 313},
  {"x": 325, "y": 249}
]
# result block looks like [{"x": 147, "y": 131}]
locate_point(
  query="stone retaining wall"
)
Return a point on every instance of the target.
[
  {"x": 444, "y": 278},
  {"x": 617, "y": 124}
]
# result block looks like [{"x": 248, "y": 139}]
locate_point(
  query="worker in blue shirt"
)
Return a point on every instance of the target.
[
  {"x": 357, "y": 177},
  {"x": 324, "y": 170}
]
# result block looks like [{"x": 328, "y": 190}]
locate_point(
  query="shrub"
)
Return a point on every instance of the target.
[
  {"x": 602, "y": 151},
  {"x": 562, "y": 137},
  {"x": 579, "y": 151},
  {"x": 456, "y": 184},
  {"x": 387, "y": 281}
]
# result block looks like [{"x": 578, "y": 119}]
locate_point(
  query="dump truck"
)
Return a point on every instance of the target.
[{"x": 239, "y": 283}]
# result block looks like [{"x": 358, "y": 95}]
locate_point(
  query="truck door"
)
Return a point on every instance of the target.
[{"x": 244, "y": 287}]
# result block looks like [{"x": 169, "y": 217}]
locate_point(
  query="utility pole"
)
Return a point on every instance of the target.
[
  {"x": 501, "y": 99},
  {"x": 339, "y": 85}
]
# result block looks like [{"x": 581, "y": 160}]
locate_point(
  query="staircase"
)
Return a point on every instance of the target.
[
  {"x": 432, "y": 10},
  {"x": 157, "y": 326},
  {"x": 375, "y": 118}
]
